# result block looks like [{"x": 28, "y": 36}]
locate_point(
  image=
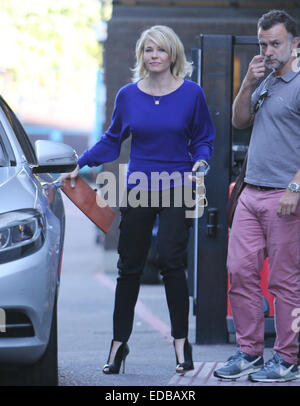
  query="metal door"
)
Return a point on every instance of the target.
[{"x": 214, "y": 70}]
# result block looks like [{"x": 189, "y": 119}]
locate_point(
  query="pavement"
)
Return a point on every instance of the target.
[{"x": 85, "y": 310}]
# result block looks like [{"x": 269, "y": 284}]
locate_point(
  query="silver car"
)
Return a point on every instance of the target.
[{"x": 32, "y": 222}]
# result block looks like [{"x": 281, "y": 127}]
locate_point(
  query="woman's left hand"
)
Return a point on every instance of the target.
[{"x": 194, "y": 178}]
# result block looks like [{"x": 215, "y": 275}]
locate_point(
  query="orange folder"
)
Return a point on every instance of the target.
[{"x": 90, "y": 203}]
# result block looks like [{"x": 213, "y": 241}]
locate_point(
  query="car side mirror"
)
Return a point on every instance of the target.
[{"x": 54, "y": 157}]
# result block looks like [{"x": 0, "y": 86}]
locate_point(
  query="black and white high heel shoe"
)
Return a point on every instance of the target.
[
  {"x": 187, "y": 364},
  {"x": 120, "y": 357}
]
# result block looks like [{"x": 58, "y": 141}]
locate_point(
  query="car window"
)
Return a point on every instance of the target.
[
  {"x": 20, "y": 133},
  {"x": 7, "y": 157},
  {"x": 3, "y": 156}
]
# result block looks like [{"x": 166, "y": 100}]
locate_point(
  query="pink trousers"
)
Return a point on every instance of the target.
[{"x": 257, "y": 231}]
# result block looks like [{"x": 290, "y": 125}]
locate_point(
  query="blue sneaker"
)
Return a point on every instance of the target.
[
  {"x": 238, "y": 365},
  {"x": 275, "y": 370}
]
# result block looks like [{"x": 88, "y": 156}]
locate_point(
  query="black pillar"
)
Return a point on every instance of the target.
[{"x": 214, "y": 71}]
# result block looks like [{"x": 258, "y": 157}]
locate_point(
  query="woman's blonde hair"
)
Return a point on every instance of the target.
[{"x": 166, "y": 38}]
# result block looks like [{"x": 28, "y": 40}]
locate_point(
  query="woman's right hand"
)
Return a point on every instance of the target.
[{"x": 70, "y": 175}]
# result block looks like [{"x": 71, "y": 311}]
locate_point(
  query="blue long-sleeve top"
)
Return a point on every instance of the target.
[{"x": 169, "y": 137}]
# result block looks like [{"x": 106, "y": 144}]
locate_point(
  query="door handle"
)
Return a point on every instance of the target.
[
  {"x": 56, "y": 185},
  {"x": 212, "y": 222}
]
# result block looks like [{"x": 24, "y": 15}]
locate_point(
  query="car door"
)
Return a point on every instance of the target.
[{"x": 48, "y": 196}]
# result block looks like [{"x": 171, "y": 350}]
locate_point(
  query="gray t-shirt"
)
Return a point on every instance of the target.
[{"x": 274, "y": 150}]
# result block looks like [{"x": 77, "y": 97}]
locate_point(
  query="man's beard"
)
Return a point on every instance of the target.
[{"x": 277, "y": 64}]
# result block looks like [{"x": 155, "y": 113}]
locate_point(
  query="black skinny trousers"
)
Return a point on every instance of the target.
[{"x": 134, "y": 243}]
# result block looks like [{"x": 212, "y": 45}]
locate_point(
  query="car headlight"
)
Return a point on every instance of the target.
[{"x": 21, "y": 234}]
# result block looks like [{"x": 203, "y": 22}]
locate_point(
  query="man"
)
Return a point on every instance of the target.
[{"x": 267, "y": 218}]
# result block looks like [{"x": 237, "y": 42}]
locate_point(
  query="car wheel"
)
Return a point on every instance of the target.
[{"x": 45, "y": 371}]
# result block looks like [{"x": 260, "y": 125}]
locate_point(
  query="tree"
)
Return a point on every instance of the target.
[{"x": 48, "y": 49}]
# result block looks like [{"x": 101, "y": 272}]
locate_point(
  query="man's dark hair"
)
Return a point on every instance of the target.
[{"x": 274, "y": 17}]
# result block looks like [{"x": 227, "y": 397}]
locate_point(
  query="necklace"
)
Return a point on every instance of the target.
[
  {"x": 156, "y": 101},
  {"x": 148, "y": 89}
]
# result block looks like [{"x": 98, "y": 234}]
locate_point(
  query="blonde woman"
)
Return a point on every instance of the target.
[{"x": 172, "y": 132}]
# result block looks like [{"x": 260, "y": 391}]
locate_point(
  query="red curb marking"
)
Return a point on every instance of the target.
[{"x": 141, "y": 310}]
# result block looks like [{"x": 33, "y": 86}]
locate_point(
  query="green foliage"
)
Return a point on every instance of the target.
[{"x": 47, "y": 44}]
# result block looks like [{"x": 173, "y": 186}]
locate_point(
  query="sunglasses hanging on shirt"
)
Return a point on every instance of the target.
[{"x": 260, "y": 100}]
